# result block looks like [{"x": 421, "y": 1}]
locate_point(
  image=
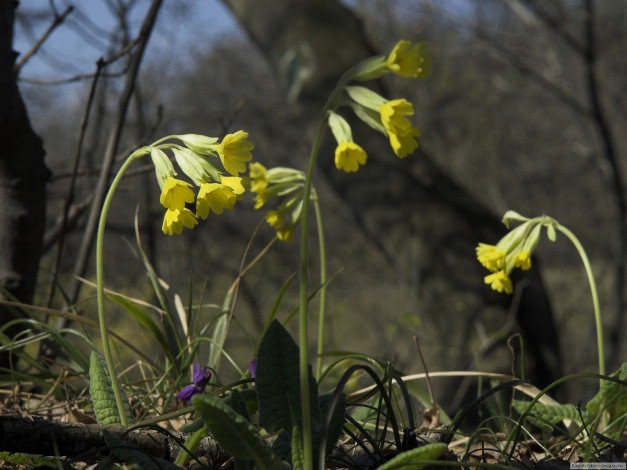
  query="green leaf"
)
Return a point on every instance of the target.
[
  {"x": 234, "y": 434},
  {"x": 238, "y": 404},
  {"x": 298, "y": 459},
  {"x": 547, "y": 414},
  {"x": 282, "y": 446},
  {"x": 220, "y": 331},
  {"x": 147, "y": 322},
  {"x": 278, "y": 382},
  {"x": 102, "y": 393},
  {"x": 612, "y": 396},
  {"x": 412, "y": 458},
  {"x": 29, "y": 460},
  {"x": 193, "y": 426},
  {"x": 337, "y": 420}
]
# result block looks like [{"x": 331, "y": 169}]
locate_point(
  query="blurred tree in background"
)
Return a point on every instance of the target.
[{"x": 522, "y": 111}]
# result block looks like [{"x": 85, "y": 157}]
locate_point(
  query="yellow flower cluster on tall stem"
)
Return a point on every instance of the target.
[
  {"x": 514, "y": 250},
  {"x": 368, "y": 106},
  {"x": 390, "y": 117},
  {"x": 218, "y": 191}
]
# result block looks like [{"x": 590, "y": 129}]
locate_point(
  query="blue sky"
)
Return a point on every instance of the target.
[{"x": 75, "y": 46}]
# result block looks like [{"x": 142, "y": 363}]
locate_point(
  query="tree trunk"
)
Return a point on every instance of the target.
[
  {"x": 23, "y": 176},
  {"x": 427, "y": 223},
  {"x": 88, "y": 443}
]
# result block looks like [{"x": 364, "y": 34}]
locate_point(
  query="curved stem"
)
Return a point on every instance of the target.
[
  {"x": 593, "y": 289},
  {"x": 100, "y": 287},
  {"x": 323, "y": 287},
  {"x": 302, "y": 318}
]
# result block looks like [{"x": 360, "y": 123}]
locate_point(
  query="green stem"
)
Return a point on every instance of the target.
[
  {"x": 191, "y": 444},
  {"x": 100, "y": 287},
  {"x": 593, "y": 288},
  {"x": 323, "y": 287},
  {"x": 302, "y": 318}
]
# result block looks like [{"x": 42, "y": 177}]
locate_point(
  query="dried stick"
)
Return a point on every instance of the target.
[{"x": 84, "y": 441}]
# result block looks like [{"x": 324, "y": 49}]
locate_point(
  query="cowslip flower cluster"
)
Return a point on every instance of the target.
[
  {"x": 390, "y": 117},
  {"x": 218, "y": 190},
  {"x": 200, "y": 380},
  {"x": 514, "y": 250},
  {"x": 279, "y": 182}
]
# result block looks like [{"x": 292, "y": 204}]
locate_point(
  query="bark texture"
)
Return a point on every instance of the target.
[
  {"x": 23, "y": 176},
  {"x": 87, "y": 441},
  {"x": 426, "y": 222}
]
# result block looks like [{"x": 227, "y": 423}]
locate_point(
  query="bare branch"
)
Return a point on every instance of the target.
[
  {"x": 58, "y": 19},
  {"x": 101, "y": 189}
]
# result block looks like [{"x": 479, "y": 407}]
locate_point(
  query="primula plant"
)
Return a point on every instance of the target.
[
  {"x": 514, "y": 250},
  {"x": 275, "y": 417},
  {"x": 220, "y": 187}
]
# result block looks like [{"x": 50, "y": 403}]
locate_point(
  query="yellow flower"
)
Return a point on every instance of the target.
[
  {"x": 285, "y": 234},
  {"x": 234, "y": 152},
  {"x": 499, "y": 281},
  {"x": 260, "y": 199},
  {"x": 258, "y": 173},
  {"x": 523, "y": 260},
  {"x": 237, "y": 184},
  {"x": 404, "y": 145},
  {"x": 214, "y": 197},
  {"x": 274, "y": 219},
  {"x": 175, "y": 220},
  {"x": 348, "y": 156},
  {"x": 175, "y": 194},
  {"x": 490, "y": 257},
  {"x": 401, "y": 133},
  {"x": 410, "y": 61}
]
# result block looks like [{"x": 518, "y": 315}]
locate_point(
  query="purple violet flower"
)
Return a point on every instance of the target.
[
  {"x": 253, "y": 368},
  {"x": 200, "y": 379}
]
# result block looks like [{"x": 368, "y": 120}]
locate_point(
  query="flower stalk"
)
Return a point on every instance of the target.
[
  {"x": 303, "y": 294},
  {"x": 106, "y": 347},
  {"x": 593, "y": 291}
]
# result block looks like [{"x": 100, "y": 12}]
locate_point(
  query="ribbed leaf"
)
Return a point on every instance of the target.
[
  {"x": 412, "y": 458},
  {"x": 547, "y": 414},
  {"x": 102, "y": 393},
  {"x": 612, "y": 396},
  {"x": 235, "y": 434},
  {"x": 298, "y": 459},
  {"x": 278, "y": 382}
]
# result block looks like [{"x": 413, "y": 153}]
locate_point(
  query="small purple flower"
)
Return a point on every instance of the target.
[
  {"x": 200, "y": 379},
  {"x": 253, "y": 368}
]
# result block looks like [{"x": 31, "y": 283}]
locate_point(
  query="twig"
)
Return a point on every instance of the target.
[
  {"x": 70, "y": 195},
  {"x": 58, "y": 19},
  {"x": 424, "y": 366}
]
